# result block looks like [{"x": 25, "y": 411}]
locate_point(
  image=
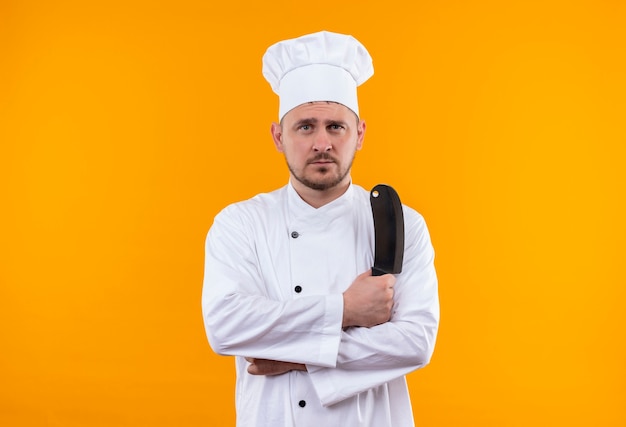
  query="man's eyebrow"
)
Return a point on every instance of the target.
[
  {"x": 335, "y": 123},
  {"x": 306, "y": 121}
]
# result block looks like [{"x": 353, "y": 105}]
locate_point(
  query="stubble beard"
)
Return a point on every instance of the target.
[{"x": 324, "y": 183}]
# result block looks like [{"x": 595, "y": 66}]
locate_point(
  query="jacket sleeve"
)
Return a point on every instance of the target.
[
  {"x": 242, "y": 319},
  {"x": 369, "y": 357}
]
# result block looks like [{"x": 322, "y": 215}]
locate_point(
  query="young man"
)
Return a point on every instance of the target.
[{"x": 288, "y": 287}]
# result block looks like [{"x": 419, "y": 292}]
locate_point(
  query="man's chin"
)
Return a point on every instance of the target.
[
  {"x": 321, "y": 178},
  {"x": 321, "y": 184}
]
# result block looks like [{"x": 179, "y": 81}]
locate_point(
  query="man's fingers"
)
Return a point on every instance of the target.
[
  {"x": 272, "y": 367},
  {"x": 390, "y": 280},
  {"x": 252, "y": 368}
]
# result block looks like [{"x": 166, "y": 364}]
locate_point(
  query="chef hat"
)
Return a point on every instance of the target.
[{"x": 322, "y": 66}]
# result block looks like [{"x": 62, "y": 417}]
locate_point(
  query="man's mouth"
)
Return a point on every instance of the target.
[{"x": 321, "y": 160}]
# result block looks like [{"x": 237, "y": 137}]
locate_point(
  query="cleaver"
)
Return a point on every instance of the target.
[{"x": 388, "y": 230}]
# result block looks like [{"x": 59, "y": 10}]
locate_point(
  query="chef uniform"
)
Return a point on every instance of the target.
[{"x": 276, "y": 268}]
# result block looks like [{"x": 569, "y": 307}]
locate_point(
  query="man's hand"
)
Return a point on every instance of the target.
[
  {"x": 272, "y": 367},
  {"x": 369, "y": 300}
]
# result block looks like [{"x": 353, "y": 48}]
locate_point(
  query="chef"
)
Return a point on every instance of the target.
[{"x": 288, "y": 289}]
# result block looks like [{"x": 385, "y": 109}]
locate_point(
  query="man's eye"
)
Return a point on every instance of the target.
[
  {"x": 305, "y": 127},
  {"x": 336, "y": 127}
]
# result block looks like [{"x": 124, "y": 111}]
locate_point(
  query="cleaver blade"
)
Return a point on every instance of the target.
[{"x": 388, "y": 230}]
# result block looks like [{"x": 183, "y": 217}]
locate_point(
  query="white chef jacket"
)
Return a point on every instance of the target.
[{"x": 275, "y": 271}]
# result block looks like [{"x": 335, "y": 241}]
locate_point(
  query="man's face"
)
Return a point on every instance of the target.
[{"x": 319, "y": 141}]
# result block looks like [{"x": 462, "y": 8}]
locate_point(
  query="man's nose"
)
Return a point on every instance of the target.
[{"x": 322, "y": 142}]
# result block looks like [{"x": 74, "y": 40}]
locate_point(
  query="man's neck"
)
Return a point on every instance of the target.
[{"x": 319, "y": 198}]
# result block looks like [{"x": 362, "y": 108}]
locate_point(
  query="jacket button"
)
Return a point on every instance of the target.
[
  {"x": 302, "y": 403},
  {"x": 298, "y": 289},
  {"x": 294, "y": 234}
]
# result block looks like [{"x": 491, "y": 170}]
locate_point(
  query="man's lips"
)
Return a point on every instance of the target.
[{"x": 321, "y": 160}]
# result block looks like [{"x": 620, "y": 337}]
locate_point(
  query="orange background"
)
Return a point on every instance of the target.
[{"x": 125, "y": 126}]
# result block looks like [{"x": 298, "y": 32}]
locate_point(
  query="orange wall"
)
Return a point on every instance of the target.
[{"x": 125, "y": 126}]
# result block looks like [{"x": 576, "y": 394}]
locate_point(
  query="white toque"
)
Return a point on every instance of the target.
[{"x": 322, "y": 66}]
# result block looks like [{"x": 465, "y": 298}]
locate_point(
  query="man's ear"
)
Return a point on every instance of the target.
[
  {"x": 277, "y": 136},
  {"x": 360, "y": 134}
]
